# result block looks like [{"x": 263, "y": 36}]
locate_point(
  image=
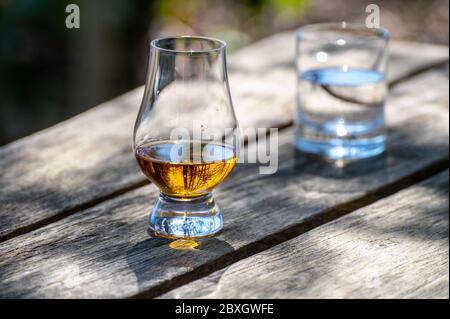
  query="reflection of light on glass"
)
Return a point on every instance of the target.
[
  {"x": 339, "y": 152},
  {"x": 341, "y": 42},
  {"x": 322, "y": 56},
  {"x": 345, "y": 68},
  {"x": 339, "y": 163},
  {"x": 341, "y": 130},
  {"x": 344, "y": 24}
]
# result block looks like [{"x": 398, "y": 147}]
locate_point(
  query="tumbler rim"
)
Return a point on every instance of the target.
[
  {"x": 349, "y": 27},
  {"x": 219, "y": 45}
]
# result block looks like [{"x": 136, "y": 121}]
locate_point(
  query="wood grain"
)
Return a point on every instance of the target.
[
  {"x": 104, "y": 251},
  {"x": 88, "y": 159},
  {"x": 394, "y": 248}
]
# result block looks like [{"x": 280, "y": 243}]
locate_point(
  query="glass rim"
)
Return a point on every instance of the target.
[
  {"x": 344, "y": 27},
  {"x": 219, "y": 45}
]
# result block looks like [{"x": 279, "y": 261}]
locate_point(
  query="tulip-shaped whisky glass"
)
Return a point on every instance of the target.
[{"x": 185, "y": 137}]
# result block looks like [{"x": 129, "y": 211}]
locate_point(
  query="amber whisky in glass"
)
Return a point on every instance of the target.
[{"x": 184, "y": 137}]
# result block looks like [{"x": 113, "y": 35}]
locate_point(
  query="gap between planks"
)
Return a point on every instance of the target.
[
  {"x": 95, "y": 201},
  {"x": 399, "y": 240},
  {"x": 433, "y": 142},
  {"x": 294, "y": 231}
]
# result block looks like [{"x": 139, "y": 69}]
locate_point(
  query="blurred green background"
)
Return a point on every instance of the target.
[{"x": 49, "y": 73}]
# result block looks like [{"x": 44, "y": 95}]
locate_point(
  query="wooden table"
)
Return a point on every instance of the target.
[{"x": 74, "y": 205}]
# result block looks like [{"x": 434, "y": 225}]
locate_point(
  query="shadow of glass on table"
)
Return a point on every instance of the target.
[
  {"x": 163, "y": 259},
  {"x": 318, "y": 185}
]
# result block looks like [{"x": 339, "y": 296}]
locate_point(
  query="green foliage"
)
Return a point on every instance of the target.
[{"x": 39, "y": 55}]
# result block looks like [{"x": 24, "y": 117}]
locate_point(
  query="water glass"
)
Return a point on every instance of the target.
[{"x": 341, "y": 90}]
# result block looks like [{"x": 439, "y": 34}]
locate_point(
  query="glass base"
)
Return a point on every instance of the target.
[
  {"x": 177, "y": 218},
  {"x": 345, "y": 150}
]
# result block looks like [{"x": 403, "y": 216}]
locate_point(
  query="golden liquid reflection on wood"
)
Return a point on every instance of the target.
[{"x": 184, "y": 244}]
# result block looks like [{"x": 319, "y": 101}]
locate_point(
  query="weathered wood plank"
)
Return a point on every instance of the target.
[
  {"x": 88, "y": 159},
  {"x": 394, "y": 248},
  {"x": 105, "y": 251}
]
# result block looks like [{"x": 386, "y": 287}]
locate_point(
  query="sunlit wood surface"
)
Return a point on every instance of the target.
[{"x": 74, "y": 205}]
